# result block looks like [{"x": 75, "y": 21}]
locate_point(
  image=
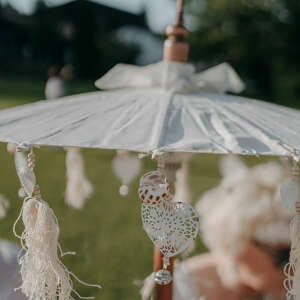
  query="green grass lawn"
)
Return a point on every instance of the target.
[{"x": 112, "y": 248}]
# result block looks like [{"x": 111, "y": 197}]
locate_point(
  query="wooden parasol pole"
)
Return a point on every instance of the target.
[
  {"x": 165, "y": 292},
  {"x": 176, "y": 48}
]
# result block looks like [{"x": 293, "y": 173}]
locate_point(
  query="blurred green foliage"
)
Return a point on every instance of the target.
[{"x": 260, "y": 38}]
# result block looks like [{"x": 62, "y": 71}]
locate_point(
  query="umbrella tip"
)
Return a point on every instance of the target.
[{"x": 176, "y": 47}]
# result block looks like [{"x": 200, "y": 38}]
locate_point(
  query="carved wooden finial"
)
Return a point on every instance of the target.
[{"x": 176, "y": 47}]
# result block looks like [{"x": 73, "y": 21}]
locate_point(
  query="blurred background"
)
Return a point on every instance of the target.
[{"x": 259, "y": 38}]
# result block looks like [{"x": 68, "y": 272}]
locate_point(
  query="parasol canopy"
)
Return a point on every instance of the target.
[{"x": 164, "y": 107}]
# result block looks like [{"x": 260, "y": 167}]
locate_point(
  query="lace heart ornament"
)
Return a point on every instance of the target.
[{"x": 171, "y": 226}]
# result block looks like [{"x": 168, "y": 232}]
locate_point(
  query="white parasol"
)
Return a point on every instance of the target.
[
  {"x": 141, "y": 111},
  {"x": 161, "y": 108}
]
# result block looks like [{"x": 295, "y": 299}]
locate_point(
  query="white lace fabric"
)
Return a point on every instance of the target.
[{"x": 172, "y": 226}]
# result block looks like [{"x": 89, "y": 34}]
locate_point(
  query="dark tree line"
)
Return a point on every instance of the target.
[{"x": 81, "y": 33}]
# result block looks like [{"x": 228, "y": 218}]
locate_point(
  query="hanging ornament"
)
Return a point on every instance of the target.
[
  {"x": 44, "y": 276},
  {"x": 11, "y": 148},
  {"x": 171, "y": 226},
  {"x": 78, "y": 187},
  {"x": 19, "y": 162},
  {"x": 289, "y": 193},
  {"x": 126, "y": 167}
]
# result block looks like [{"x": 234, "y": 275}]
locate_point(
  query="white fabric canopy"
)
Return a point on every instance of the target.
[{"x": 148, "y": 119}]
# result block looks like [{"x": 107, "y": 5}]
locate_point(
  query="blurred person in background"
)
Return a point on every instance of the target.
[
  {"x": 54, "y": 86},
  {"x": 247, "y": 233}
]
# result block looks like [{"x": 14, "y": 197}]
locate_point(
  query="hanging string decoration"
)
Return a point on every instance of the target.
[
  {"x": 78, "y": 187},
  {"x": 44, "y": 276},
  {"x": 171, "y": 226},
  {"x": 11, "y": 148},
  {"x": 126, "y": 167},
  {"x": 290, "y": 197}
]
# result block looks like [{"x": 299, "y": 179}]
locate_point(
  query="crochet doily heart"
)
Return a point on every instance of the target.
[{"x": 172, "y": 226}]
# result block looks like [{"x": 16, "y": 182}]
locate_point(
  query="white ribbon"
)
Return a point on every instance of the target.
[{"x": 173, "y": 76}]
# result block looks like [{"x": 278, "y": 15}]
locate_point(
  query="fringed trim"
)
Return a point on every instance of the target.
[{"x": 44, "y": 276}]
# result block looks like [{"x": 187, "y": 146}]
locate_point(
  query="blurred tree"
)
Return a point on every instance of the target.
[
  {"x": 260, "y": 38},
  {"x": 81, "y": 32},
  {"x": 46, "y": 42},
  {"x": 13, "y": 37}
]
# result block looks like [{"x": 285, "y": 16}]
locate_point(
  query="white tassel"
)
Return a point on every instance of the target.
[
  {"x": 78, "y": 187},
  {"x": 11, "y": 148},
  {"x": 124, "y": 190},
  {"x": 4, "y": 204},
  {"x": 126, "y": 167},
  {"x": 44, "y": 277},
  {"x": 183, "y": 287}
]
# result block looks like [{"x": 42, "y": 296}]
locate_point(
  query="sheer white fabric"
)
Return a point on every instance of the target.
[{"x": 174, "y": 76}]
